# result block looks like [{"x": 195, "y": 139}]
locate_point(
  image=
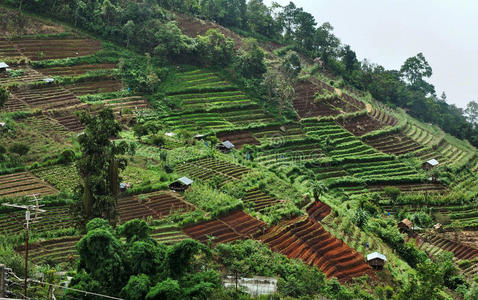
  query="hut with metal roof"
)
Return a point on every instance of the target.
[
  {"x": 430, "y": 164},
  {"x": 181, "y": 184},
  {"x": 225, "y": 146},
  {"x": 376, "y": 260},
  {"x": 3, "y": 67}
]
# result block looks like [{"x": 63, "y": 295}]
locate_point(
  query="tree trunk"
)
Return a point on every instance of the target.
[{"x": 87, "y": 198}]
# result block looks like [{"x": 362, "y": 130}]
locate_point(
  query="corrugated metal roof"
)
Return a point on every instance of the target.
[
  {"x": 185, "y": 181},
  {"x": 228, "y": 144},
  {"x": 433, "y": 162},
  {"x": 3, "y": 65},
  {"x": 376, "y": 255}
]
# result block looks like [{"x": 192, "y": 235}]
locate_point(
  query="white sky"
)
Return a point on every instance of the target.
[{"x": 387, "y": 32}]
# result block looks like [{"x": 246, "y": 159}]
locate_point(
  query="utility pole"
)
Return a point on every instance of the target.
[{"x": 28, "y": 220}]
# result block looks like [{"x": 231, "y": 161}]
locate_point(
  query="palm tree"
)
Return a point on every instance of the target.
[{"x": 318, "y": 188}]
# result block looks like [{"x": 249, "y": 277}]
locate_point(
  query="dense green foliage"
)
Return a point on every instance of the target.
[{"x": 99, "y": 166}]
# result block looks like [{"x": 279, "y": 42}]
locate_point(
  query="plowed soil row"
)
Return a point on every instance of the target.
[
  {"x": 47, "y": 97},
  {"x": 259, "y": 199},
  {"x": 308, "y": 241},
  {"x": 156, "y": 205},
  {"x": 75, "y": 70},
  {"x": 235, "y": 226},
  {"x": 318, "y": 211},
  {"x": 305, "y": 104},
  {"x": 24, "y": 184},
  {"x": 95, "y": 87},
  {"x": 397, "y": 144},
  {"x": 43, "y": 49}
]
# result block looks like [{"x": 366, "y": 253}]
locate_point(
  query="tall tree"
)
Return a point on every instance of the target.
[
  {"x": 414, "y": 71},
  {"x": 99, "y": 166},
  {"x": 326, "y": 44},
  {"x": 128, "y": 30},
  {"x": 471, "y": 113},
  {"x": 349, "y": 58}
]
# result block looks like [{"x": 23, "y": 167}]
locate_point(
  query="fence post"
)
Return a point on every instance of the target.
[{"x": 2, "y": 280}]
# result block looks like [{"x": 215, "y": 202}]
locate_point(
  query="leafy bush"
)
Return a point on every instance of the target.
[
  {"x": 212, "y": 200},
  {"x": 19, "y": 148},
  {"x": 4, "y": 96}
]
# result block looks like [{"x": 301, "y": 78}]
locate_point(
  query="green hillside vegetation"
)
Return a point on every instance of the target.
[{"x": 328, "y": 157}]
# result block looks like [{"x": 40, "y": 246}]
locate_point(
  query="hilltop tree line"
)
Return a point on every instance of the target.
[
  {"x": 151, "y": 28},
  {"x": 291, "y": 25}
]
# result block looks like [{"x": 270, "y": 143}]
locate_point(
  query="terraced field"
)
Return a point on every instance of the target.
[
  {"x": 259, "y": 200},
  {"x": 238, "y": 138},
  {"x": 54, "y": 218},
  {"x": 305, "y": 104},
  {"x": 54, "y": 251},
  {"x": 28, "y": 76},
  {"x": 156, "y": 205},
  {"x": 213, "y": 120},
  {"x": 289, "y": 153},
  {"x": 127, "y": 105},
  {"x": 340, "y": 141},
  {"x": 41, "y": 134},
  {"x": 168, "y": 234},
  {"x": 37, "y": 49},
  {"x": 318, "y": 211},
  {"x": 24, "y": 184},
  {"x": 206, "y": 168},
  {"x": 445, "y": 152},
  {"x": 272, "y": 134},
  {"x": 196, "y": 79},
  {"x": 75, "y": 70},
  {"x": 64, "y": 177},
  {"x": 235, "y": 226},
  {"x": 46, "y": 97},
  {"x": 194, "y": 101},
  {"x": 434, "y": 244},
  {"x": 8, "y": 50},
  {"x": 413, "y": 188},
  {"x": 95, "y": 87},
  {"x": 68, "y": 119},
  {"x": 361, "y": 125},
  {"x": 347, "y": 103},
  {"x": 307, "y": 240},
  {"x": 397, "y": 144},
  {"x": 385, "y": 118}
]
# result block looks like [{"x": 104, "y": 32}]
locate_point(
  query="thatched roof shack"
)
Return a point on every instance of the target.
[
  {"x": 405, "y": 226},
  {"x": 376, "y": 260},
  {"x": 181, "y": 184}
]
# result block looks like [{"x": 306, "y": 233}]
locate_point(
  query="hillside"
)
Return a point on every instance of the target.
[{"x": 319, "y": 177}]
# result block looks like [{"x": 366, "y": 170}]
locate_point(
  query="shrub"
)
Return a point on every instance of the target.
[
  {"x": 19, "y": 148},
  {"x": 464, "y": 264},
  {"x": 157, "y": 140},
  {"x": 4, "y": 96},
  {"x": 392, "y": 192},
  {"x": 66, "y": 157},
  {"x": 2, "y": 150}
]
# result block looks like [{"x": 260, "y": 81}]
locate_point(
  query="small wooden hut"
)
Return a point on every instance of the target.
[
  {"x": 376, "y": 260},
  {"x": 430, "y": 164},
  {"x": 225, "y": 147},
  {"x": 181, "y": 184},
  {"x": 405, "y": 226}
]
